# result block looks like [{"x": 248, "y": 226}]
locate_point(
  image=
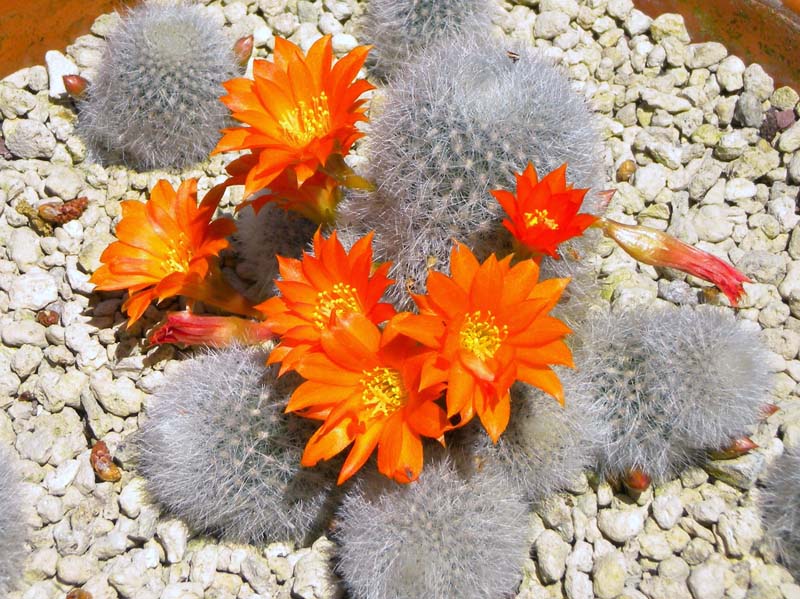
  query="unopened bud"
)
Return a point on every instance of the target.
[
  {"x": 243, "y": 48},
  {"x": 637, "y": 480},
  {"x": 76, "y": 86},
  {"x": 768, "y": 409},
  {"x": 737, "y": 448}
]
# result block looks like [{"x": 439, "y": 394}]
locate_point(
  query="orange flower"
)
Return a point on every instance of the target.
[
  {"x": 300, "y": 110},
  {"x": 168, "y": 246},
  {"x": 544, "y": 213},
  {"x": 215, "y": 331},
  {"x": 657, "y": 248},
  {"x": 365, "y": 388},
  {"x": 331, "y": 282},
  {"x": 488, "y": 325}
]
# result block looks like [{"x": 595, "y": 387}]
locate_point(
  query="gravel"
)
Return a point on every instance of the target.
[{"x": 714, "y": 153}]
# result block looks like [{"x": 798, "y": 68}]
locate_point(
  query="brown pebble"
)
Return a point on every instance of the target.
[
  {"x": 79, "y": 594},
  {"x": 784, "y": 119},
  {"x": 103, "y": 463},
  {"x": 626, "y": 170},
  {"x": 59, "y": 213},
  {"x": 47, "y": 317}
]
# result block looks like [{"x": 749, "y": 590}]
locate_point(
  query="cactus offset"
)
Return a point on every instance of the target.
[
  {"x": 155, "y": 100},
  {"x": 218, "y": 451},
  {"x": 457, "y": 123}
]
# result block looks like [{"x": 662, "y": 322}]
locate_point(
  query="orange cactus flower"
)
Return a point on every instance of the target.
[
  {"x": 488, "y": 326},
  {"x": 300, "y": 110},
  {"x": 544, "y": 213},
  {"x": 329, "y": 283},
  {"x": 214, "y": 331},
  {"x": 365, "y": 388},
  {"x": 166, "y": 247},
  {"x": 657, "y": 248}
]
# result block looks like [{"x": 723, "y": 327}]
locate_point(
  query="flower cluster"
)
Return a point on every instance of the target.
[
  {"x": 478, "y": 331},
  {"x": 299, "y": 115}
]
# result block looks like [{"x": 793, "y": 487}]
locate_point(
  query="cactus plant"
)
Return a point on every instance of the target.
[
  {"x": 399, "y": 29},
  {"x": 218, "y": 451},
  {"x": 670, "y": 383},
  {"x": 457, "y": 123},
  {"x": 546, "y": 445},
  {"x": 780, "y": 507},
  {"x": 447, "y": 534},
  {"x": 13, "y": 530},
  {"x": 155, "y": 100},
  {"x": 260, "y": 237}
]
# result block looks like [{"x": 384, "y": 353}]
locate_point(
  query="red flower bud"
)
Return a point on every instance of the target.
[
  {"x": 76, "y": 86},
  {"x": 215, "y": 331},
  {"x": 737, "y": 448},
  {"x": 637, "y": 480}
]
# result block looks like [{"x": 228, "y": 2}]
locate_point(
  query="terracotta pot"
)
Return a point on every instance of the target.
[
  {"x": 762, "y": 31},
  {"x": 30, "y": 28}
]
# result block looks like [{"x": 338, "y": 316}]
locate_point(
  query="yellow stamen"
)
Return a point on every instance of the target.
[
  {"x": 341, "y": 299},
  {"x": 177, "y": 258},
  {"x": 382, "y": 392},
  {"x": 305, "y": 122},
  {"x": 482, "y": 336},
  {"x": 537, "y": 217}
]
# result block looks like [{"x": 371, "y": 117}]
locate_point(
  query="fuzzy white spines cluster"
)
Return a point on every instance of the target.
[
  {"x": 446, "y": 535},
  {"x": 218, "y": 451},
  {"x": 399, "y": 29},
  {"x": 670, "y": 383},
  {"x": 13, "y": 530},
  {"x": 546, "y": 446},
  {"x": 155, "y": 100},
  {"x": 780, "y": 508},
  {"x": 261, "y": 237},
  {"x": 454, "y": 125}
]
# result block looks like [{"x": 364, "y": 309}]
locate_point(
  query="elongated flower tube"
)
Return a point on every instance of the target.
[
  {"x": 657, "y": 248},
  {"x": 544, "y": 214},
  {"x": 365, "y": 388},
  {"x": 168, "y": 246},
  {"x": 330, "y": 283},
  {"x": 488, "y": 326},
  {"x": 213, "y": 331},
  {"x": 300, "y": 110}
]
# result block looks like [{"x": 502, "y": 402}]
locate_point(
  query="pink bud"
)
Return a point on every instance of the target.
[{"x": 243, "y": 48}]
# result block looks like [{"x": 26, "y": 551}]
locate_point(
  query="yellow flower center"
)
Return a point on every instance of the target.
[
  {"x": 539, "y": 217},
  {"x": 178, "y": 256},
  {"x": 341, "y": 299},
  {"x": 481, "y": 336},
  {"x": 304, "y": 123},
  {"x": 382, "y": 391}
]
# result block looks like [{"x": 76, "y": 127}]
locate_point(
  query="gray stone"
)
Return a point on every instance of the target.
[
  {"x": 173, "y": 536},
  {"x": 63, "y": 182},
  {"x": 707, "y": 511},
  {"x": 740, "y": 472},
  {"x": 24, "y": 332},
  {"x": 669, "y": 25},
  {"x": 654, "y": 546},
  {"x": 620, "y": 525},
  {"x": 789, "y": 140},
  {"x": 183, "y": 590},
  {"x": 637, "y": 22},
  {"x": 33, "y": 290},
  {"x": 28, "y": 138},
  {"x": 757, "y": 81},
  {"x": 204, "y": 565},
  {"x": 739, "y": 529},
  {"x": 609, "y": 575},
  {"x": 313, "y": 576},
  {"x": 730, "y": 74},
  {"x": 24, "y": 248},
  {"x": 551, "y": 553},
  {"x": 707, "y": 581},
  {"x": 705, "y": 55},
  {"x": 550, "y": 24},
  {"x": 76, "y": 569},
  {"x": 667, "y": 510},
  {"x": 748, "y": 111}
]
